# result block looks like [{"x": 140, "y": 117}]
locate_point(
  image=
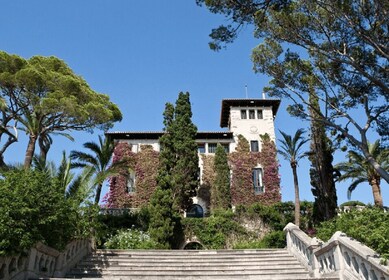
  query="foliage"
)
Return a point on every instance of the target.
[
  {"x": 215, "y": 232},
  {"x": 130, "y": 239},
  {"x": 99, "y": 161},
  {"x": 274, "y": 239},
  {"x": 290, "y": 149},
  {"x": 220, "y": 193},
  {"x": 242, "y": 161},
  {"x": 34, "y": 208},
  {"x": 108, "y": 225},
  {"x": 43, "y": 96},
  {"x": 337, "y": 49},
  {"x": 144, "y": 165},
  {"x": 184, "y": 173},
  {"x": 352, "y": 203},
  {"x": 164, "y": 220},
  {"x": 369, "y": 226},
  {"x": 359, "y": 170},
  {"x": 278, "y": 215},
  {"x": 322, "y": 172}
]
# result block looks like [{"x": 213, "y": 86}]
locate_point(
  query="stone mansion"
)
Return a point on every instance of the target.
[{"x": 249, "y": 140}]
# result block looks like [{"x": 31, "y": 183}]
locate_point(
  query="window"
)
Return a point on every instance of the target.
[
  {"x": 257, "y": 181},
  {"x": 226, "y": 148},
  {"x": 259, "y": 114},
  {"x": 254, "y": 146},
  {"x": 251, "y": 114},
  {"x": 212, "y": 148},
  {"x": 195, "y": 211},
  {"x": 131, "y": 182},
  {"x": 201, "y": 148},
  {"x": 243, "y": 114}
]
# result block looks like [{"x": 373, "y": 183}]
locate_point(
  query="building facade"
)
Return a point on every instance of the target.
[{"x": 249, "y": 140}]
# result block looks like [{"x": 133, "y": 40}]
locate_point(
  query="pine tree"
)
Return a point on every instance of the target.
[{"x": 220, "y": 193}]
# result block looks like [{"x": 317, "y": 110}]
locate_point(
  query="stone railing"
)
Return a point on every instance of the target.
[
  {"x": 341, "y": 257},
  {"x": 117, "y": 211},
  {"x": 43, "y": 261}
]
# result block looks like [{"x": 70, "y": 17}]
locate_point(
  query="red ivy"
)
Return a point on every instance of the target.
[{"x": 145, "y": 165}]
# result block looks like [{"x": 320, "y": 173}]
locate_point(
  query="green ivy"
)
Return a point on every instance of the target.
[{"x": 215, "y": 232}]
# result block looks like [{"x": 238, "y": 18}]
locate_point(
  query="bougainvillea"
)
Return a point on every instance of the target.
[
  {"x": 242, "y": 162},
  {"x": 144, "y": 164}
]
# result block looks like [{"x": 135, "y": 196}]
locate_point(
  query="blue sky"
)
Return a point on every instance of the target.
[{"x": 142, "y": 54}]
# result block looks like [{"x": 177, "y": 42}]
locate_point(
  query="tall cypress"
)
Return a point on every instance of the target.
[
  {"x": 177, "y": 178},
  {"x": 220, "y": 192},
  {"x": 162, "y": 216},
  {"x": 185, "y": 174},
  {"x": 322, "y": 170}
]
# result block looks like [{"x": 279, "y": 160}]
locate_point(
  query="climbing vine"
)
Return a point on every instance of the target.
[
  {"x": 144, "y": 164},
  {"x": 241, "y": 163}
]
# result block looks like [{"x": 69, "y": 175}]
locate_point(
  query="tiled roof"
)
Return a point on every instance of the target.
[
  {"x": 246, "y": 102},
  {"x": 157, "y": 134}
]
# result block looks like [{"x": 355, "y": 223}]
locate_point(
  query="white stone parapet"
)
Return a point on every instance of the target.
[
  {"x": 42, "y": 261},
  {"x": 341, "y": 257}
]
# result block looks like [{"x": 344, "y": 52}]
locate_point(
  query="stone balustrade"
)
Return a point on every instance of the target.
[
  {"x": 43, "y": 261},
  {"x": 341, "y": 257},
  {"x": 117, "y": 211}
]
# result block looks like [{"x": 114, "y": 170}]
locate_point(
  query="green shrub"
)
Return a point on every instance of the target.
[
  {"x": 130, "y": 239},
  {"x": 274, "y": 239},
  {"x": 215, "y": 231},
  {"x": 352, "y": 203},
  {"x": 110, "y": 224},
  {"x": 369, "y": 226},
  {"x": 34, "y": 208}
]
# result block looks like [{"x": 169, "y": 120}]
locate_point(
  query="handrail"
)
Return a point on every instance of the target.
[
  {"x": 340, "y": 257},
  {"x": 43, "y": 261}
]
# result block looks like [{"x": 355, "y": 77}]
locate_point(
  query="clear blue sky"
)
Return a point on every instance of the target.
[{"x": 142, "y": 54}]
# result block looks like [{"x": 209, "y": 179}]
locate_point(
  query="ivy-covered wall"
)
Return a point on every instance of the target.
[
  {"x": 241, "y": 162},
  {"x": 145, "y": 165}
]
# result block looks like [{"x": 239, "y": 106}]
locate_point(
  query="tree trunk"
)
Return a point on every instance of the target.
[
  {"x": 44, "y": 149},
  {"x": 98, "y": 193},
  {"x": 11, "y": 140},
  {"x": 30, "y": 152},
  {"x": 296, "y": 195},
  {"x": 375, "y": 185}
]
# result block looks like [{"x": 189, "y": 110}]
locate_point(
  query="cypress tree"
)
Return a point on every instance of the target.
[
  {"x": 162, "y": 215},
  {"x": 220, "y": 192},
  {"x": 185, "y": 174},
  {"x": 322, "y": 170},
  {"x": 177, "y": 178}
]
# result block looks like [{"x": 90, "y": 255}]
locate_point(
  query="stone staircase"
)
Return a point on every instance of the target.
[{"x": 190, "y": 264}]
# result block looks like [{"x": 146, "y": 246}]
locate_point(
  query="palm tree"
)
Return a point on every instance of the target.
[
  {"x": 360, "y": 170},
  {"x": 291, "y": 151},
  {"x": 74, "y": 187},
  {"x": 100, "y": 161}
]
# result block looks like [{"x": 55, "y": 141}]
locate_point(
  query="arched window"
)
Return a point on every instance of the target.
[{"x": 195, "y": 211}]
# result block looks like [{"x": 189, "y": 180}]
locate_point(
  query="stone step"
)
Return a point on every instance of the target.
[
  {"x": 286, "y": 263},
  {"x": 194, "y": 259},
  {"x": 266, "y": 264},
  {"x": 196, "y": 274},
  {"x": 123, "y": 253}
]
